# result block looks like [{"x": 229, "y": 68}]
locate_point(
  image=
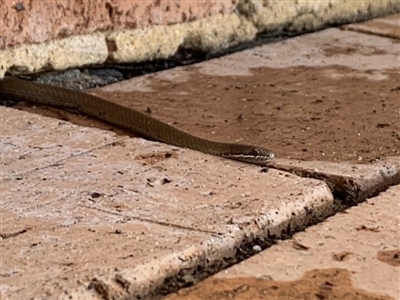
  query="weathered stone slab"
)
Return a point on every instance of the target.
[{"x": 92, "y": 213}]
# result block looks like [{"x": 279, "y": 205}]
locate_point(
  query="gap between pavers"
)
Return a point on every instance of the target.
[
  {"x": 349, "y": 182},
  {"x": 386, "y": 27}
]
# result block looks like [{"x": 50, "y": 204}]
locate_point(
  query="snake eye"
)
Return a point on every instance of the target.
[{"x": 255, "y": 152}]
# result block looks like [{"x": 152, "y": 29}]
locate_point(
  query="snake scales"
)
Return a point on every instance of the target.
[{"x": 127, "y": 118}]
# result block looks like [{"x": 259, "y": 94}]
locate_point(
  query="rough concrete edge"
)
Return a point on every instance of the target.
[
  {"x": 54, "y": 55},
  {"x": 345, "y": 188},
  {"x": 311, "y": 15},
  {"x": 203, "y": 35},
  {"x": 209, "y": 34},
  {"x": 193, "y": 264}
]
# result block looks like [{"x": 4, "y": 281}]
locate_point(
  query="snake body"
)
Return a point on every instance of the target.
[{"x": 127, "y": 118}]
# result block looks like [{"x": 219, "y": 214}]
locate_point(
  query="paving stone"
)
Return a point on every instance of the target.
[
  {"x": 29, "y": 142},
  {"x": 70, "y": 195}
]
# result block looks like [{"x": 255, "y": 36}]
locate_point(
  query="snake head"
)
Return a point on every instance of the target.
[{"x": 250, "y": 154}]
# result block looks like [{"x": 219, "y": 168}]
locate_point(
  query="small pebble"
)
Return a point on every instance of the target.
[{"x": 257, "y": 248}]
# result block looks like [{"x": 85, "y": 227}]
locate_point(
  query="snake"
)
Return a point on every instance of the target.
[{"x": 127, "y": 118}]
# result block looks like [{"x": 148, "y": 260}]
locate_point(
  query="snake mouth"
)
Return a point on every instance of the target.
[{"x": 259, "y": 159}]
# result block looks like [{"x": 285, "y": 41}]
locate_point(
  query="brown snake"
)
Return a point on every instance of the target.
[{"x": 127, "y": 118}]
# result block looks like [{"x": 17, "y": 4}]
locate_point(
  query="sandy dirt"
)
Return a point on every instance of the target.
[{"x": 326, "y": 284}]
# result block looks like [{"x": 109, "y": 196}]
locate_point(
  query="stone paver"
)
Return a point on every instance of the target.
[
  {"x": 363, "y": 241},
  {"x": 154, "y": 208}
]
